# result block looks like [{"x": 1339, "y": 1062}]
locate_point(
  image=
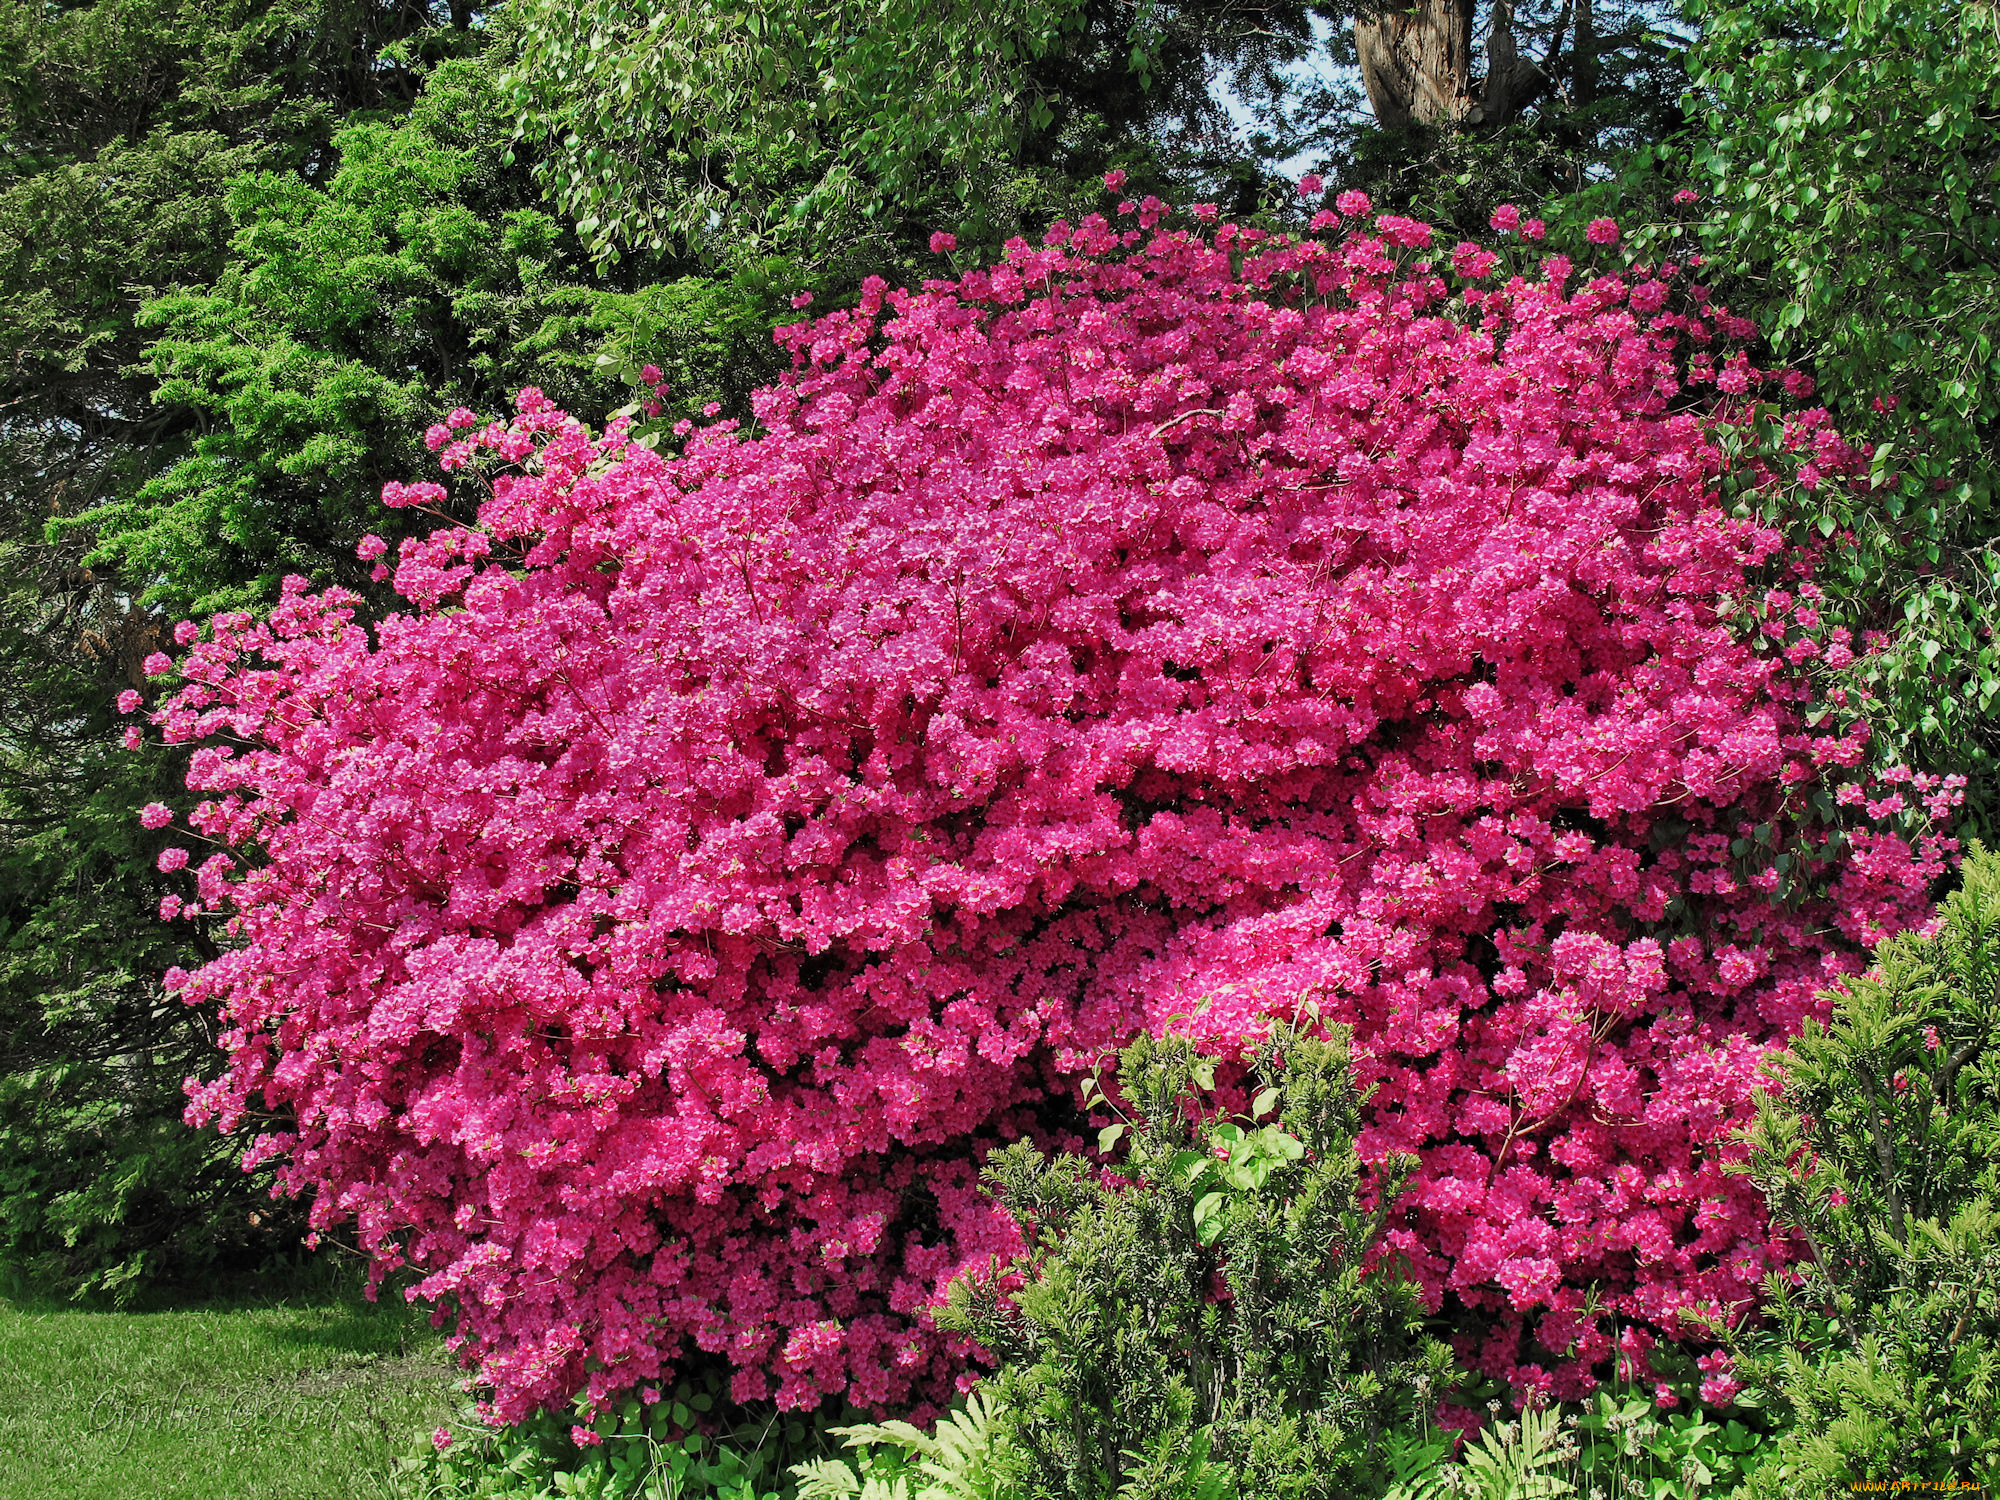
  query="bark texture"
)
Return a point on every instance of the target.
[{"x": 1416, "y": 63}]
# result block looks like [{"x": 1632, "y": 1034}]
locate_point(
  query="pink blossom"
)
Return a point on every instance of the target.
[
  {"x": 155, "y": 815},
  {"x": 1602, "y": 232},
  {"x": 1471, "y": 261},
  {"x": 132, "y": 738},
  {"x": 1648, "y": 297},
  {"x": 1505, "y": 217},
  {"x": 943, "y": 243},
  {"x": 157, "y": 664},
  {"x": 441, "y": 1439},
  {"x": 1311, "y": 185},
  {"x": 370, "y": 547},
  {"x": 650, "y": 926},
  {"x": 1720, "y": 1390},
  {"x": 1114, "y": 179},
  {"x": 463, "y": 416},
  {"x": 1353, "y": 204},
  {"x": 1533, "y": 229},
  {"x": 650, "y": 375},
  {"x": 1399, "y": 230},
  {"x": 172, "y": 859},
  {"x": 129, "y": 701},
  {"x": 1687, "y": 195},
  {"x": 436, "y": 436}
]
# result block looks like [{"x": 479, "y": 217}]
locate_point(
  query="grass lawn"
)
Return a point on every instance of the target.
[{"x": 305, "y": 1396}]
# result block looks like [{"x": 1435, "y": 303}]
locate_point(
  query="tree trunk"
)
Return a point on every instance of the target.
[
  {"x": 1416, "y": 60},
  {"x": 1583, "y": 65},
  {"x": 1416, "y": 63}
]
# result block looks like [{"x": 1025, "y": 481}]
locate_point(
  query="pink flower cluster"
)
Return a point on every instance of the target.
[{"x": 648, "y": 932}]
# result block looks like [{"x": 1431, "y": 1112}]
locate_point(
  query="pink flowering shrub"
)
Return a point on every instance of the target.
[{"x": 645, "y": 935}]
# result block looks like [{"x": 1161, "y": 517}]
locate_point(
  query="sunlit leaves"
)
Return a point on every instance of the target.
[
  {"x": 1848, "y": 147},
  {"x": 783, "y": 122}
]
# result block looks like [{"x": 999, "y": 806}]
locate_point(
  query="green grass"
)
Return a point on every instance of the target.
[{"x": 307, "y": 1396}]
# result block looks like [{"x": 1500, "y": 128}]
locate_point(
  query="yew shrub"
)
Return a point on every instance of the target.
[{"x": 647, "y": 934}]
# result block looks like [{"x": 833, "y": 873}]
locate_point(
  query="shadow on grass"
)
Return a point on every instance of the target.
[{"x": 284, "y": 1385}]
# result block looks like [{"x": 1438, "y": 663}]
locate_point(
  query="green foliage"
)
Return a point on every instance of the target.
[
  {"x": 354, "y": 313},
  {"x": 825, "y": 142},
  {"x": 1849, "y": 148},
  {"x": 1517, "y": 1460},
  {"x": 1627, "y": 1446},
  {"x": 101, "y": 1187},
  {"x": 120, "y": 124},
  {"x": 781, "y": 122},
  {"x": 693, "y": 1444},
  {"x": 961, "y": 1459},
  {"x": 1126, "y": 1370},
  {"x": 1881, "y": 1151},
  {"x": 1612, "y": 79},
  {"x": 1614, "y": 1445}
]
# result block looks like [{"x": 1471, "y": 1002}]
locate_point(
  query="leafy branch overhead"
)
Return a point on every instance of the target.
[
  {"x": 1851, "y": 153},
  {"x": 790, "y": 123}
]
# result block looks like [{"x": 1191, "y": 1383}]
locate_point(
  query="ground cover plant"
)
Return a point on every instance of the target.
[
  {"x": 687, "y": 1442},
  {"x": 649, "y": 930}
]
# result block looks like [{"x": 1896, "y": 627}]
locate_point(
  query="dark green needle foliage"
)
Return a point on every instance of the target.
[
  {"x": 1882, "y": 1151},
  {"x": 102, "y": 1188},
  {"x": 1201, "y": 1324},
  {"x": 122, "y": 123},
  {"x": 421, "y": 275}
]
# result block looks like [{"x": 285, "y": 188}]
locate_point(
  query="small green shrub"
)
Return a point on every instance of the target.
[
  {"x": 1617, "y": 1446},
  {"x": 690, "y": 1445},
  {"x": 1625, "y": 1445},
  {"x": 1199, "y": 1325},
  {"x": 1881, "y": 1150}
]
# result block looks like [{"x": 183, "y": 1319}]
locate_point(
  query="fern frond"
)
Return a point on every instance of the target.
[
  {"x": 826, "y": 1479},
  {"x": 1420, "y": 1468},
  {"x": 905, "y": 1436},
  {"x": 959, "y": 1460},
  {"x": 953, "y": 1463},
  {"x": 1516, "y": 1461}
]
